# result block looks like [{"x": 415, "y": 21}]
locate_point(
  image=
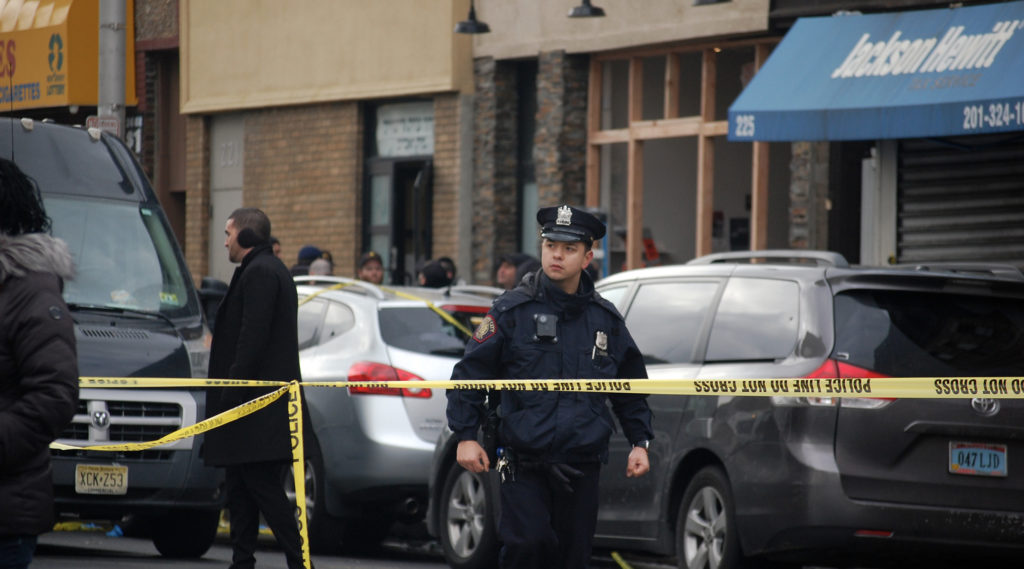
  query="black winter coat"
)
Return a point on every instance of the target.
[
  {"x": 38, "y": 376},
  {"x": 256, "y": 338},
  {"x": 592, "y": 343}
]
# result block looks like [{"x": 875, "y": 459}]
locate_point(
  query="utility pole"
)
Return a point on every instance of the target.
[{"x": 111, "y": 66}]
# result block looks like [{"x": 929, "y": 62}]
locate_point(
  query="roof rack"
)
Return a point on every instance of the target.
[
  {"x": 479, "y": 290},
  {"x": 775, "y": 256},
  {"x": 1004, "y": 270},
  {"x": 324, "y": 280}
]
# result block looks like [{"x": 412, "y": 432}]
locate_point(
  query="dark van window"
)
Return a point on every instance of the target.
[
  {"x": 911, "y": 333},
  {"x": 757, "y": 320},
  {"x": 124, "y": 256},
  {"x": 420, "y": 329},
  {"x": 665, "y": 319}
]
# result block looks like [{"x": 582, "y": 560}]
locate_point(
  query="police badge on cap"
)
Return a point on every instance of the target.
[{"x": 566, "y": 223}]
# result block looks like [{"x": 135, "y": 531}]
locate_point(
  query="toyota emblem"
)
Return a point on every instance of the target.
[
  {"x": 985, "y": 407},
  {"x": 100, "y": 419}
]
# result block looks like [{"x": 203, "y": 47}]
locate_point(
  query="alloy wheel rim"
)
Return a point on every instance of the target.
[
  {"x": 465, "y": 516},
  {"x": 705, "y": 530}
]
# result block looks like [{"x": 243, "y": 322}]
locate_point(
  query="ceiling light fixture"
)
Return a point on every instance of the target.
[
  {"x": 585, "y": 10},
  {"x": 471, "y": 25}
]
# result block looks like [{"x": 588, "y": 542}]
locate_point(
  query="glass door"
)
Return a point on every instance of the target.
[{"x": 399, "y": 202}]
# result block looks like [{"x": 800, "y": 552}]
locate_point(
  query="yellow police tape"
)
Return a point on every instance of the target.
[
  {"x": 442, "y": 313},
  {"x": 888, "y": 387},
  {"x": 879, "y": 387}
]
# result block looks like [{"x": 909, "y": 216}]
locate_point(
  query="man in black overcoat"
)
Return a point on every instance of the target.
[{"x": 255, "y": 338}]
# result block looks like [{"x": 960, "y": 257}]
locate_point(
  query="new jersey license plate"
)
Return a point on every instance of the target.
[
  {"x": 101, "y": 479},
  {"x": 977, "y": 459}
]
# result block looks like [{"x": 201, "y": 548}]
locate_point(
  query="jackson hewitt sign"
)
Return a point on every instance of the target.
[{"x": 955, "y": 51}]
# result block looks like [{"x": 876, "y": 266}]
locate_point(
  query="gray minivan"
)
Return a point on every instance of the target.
[
  {"x": 782, "y": 481},
  {"x": 136, "y": 313}
]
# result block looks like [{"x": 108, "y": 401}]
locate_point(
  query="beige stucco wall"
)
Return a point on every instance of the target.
[
  {"x": 252, "y": 53},
  {"x": 524, "y": 28}
]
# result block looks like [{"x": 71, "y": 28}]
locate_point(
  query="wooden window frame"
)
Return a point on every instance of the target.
[{"x": 704, "y": 126}]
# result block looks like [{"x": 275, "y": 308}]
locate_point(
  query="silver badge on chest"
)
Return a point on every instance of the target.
[{"x": 600, "y": 345}]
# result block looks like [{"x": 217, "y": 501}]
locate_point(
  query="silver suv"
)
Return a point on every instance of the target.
[
  {"x": 800, "y": 479},
  {"x": 368, "y": 458}
]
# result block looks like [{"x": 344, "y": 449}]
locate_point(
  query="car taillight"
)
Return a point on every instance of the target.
[
  {"x": 372, "y": 371},
  {"x": 836, "y": 369}
]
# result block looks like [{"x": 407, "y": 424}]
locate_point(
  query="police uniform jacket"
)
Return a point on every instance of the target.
[
  {"x": 591, "y": 342},
  {"x": 256, "y": 337},
  {"x": 38, "y": 376}
]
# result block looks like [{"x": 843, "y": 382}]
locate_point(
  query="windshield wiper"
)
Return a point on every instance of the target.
[{"x": 124, "y": 311}]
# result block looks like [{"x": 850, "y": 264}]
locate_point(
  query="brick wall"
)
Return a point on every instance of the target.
[
  {"x": 446, "y": 177},
  {"x": 303, "y": 167},
  {"x": 197, "y": 196}
]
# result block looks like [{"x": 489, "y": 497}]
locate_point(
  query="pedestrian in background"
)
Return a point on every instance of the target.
[
  {"x": 432, "y": 275},
  {"x": 508, "y": 264},
  {"x": 256, "y": 338},
  {"x": 320, "y": 267},
  {"x": 307, "y": 255},
  {"x": 552, "y": 325},
  {"x": 38, "y": 364},
  {"x": 371, "y": 268}
]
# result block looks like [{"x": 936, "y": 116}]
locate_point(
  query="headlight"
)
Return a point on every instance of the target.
[{"x": 199, "y": 352}]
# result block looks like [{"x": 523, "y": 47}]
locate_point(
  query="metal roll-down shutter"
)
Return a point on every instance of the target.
[{"x": 961, "y": 199}]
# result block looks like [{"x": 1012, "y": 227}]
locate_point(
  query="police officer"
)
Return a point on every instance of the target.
[{"x": 553, "y": 325}]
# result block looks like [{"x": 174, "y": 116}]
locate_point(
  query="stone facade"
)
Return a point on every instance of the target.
[
  {"x": 156, "y": 19},
  {"x": 559, "y": 149},
  {"x": 808, "y": 196},
  {"x": 560, "y": 146},
  {"x": 494, "y": 166}
]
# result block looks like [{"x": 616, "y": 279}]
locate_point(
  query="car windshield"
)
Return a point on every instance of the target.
[
  {"x": 124, "y": 257},
  {"x": 420, "y": 329},
  {"x": 911, "y": 333}
]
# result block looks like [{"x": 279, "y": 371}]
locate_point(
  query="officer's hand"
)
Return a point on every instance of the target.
[
  {"x": 472, "y": 456},
  {"x": 637, "y": 464}
]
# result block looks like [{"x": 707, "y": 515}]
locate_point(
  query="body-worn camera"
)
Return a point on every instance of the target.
[{"x": 547, "y": 328}]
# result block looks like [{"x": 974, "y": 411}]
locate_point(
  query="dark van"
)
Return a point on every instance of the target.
[{"x": 136, "y": 313}]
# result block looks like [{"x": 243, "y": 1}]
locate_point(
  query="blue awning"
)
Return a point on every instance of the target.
[{"x": 915, "y": 74}]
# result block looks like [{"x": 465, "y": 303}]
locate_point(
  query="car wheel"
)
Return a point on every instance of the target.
[
  {"x": 185, "y": 534},
  {"x": 706, "y": 536},
  {"x": 469, "y": 534},
  {"x": 324, "y": 530}
]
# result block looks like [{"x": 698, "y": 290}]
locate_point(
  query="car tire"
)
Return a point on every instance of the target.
[
  {"x": 324, "y": 530},
  {"x": 468, "y": 529},
  {"x": 706, "y": 535},
  {"x": 185, "y": 534}
]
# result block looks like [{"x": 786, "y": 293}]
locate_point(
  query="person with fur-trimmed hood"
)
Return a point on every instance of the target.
[{"x": 38, "y": 363}]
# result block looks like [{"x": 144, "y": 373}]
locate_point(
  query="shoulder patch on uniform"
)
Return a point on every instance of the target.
[{"x": 485, "y": 330}]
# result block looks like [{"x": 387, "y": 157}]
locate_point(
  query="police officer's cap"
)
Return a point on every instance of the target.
[{"x": 566, "y": 223}]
